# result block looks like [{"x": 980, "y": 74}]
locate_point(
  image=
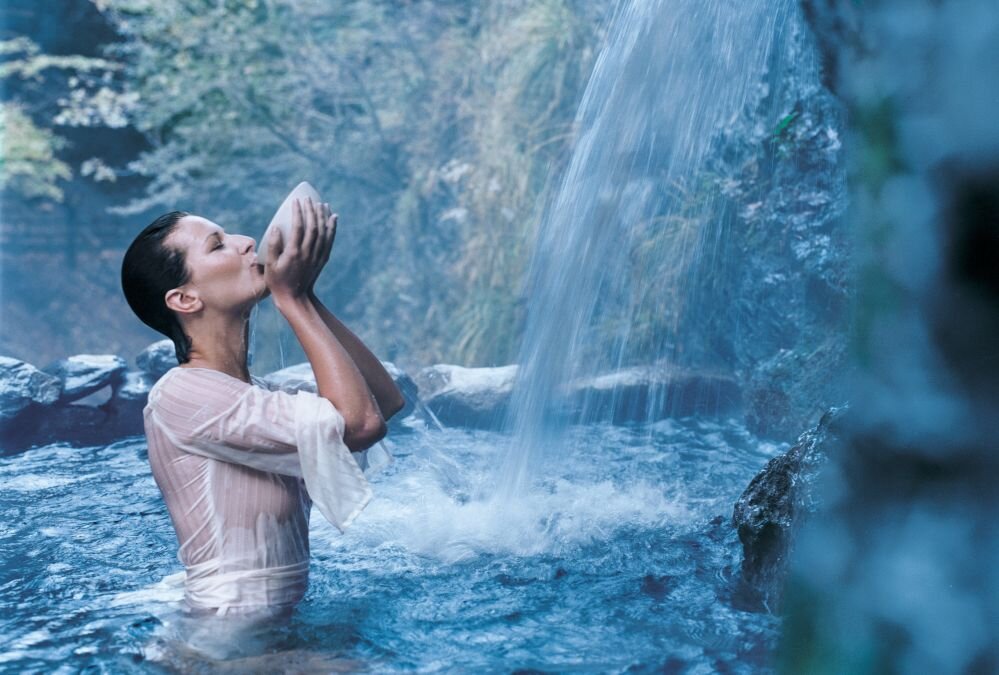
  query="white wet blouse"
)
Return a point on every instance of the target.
[{"x": 239, "y": 466}]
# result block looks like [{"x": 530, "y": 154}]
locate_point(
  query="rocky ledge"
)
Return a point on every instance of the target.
[
  {"x": 94, "y": 399},
  {"x": 776, "y": 504}
]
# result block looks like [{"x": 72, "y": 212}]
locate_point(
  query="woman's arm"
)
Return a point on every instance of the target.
[
  {"x": 383, "y": 388},
  {"x": 337, "y": 378},
  {"x": 291, "y": 269}
]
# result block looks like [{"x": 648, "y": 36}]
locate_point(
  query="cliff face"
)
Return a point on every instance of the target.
[
  {"x": 794, "y": 289},
  {"x": 899, "y": 569},
  {"x": 774, "y": 295}
]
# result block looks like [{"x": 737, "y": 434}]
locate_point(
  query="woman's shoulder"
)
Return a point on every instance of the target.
[
  {"x": 195, "y": 373},
  {"x": 199, "y": 382},
  {"x": 181, "y": 392}
]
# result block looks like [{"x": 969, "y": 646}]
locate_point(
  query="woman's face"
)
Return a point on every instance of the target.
[{"x": 224, "y": 269}]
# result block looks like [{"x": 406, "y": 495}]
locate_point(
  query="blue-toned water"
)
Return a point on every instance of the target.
[
  {"x": 623, "y": 560},
  {"x": 548, "y": 548}
]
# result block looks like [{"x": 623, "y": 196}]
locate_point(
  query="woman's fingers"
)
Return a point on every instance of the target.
[
  {"x": 275, "y": 246},
  {"x": 329, "y": 227},
  {"x": 311, "y": 230},
  {"x": 297, "y": 228},
  {"x": 320, "y": 245},
  {"x": 324, "y": 214}
]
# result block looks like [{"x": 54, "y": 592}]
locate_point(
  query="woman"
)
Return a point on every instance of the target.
[{"x": 239, "y": 465}]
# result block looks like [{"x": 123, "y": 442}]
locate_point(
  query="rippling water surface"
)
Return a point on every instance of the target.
[{"x": 621, "y": 558}]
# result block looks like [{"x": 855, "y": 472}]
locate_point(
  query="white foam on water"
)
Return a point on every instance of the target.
[
  {"x": 33, "y": 482},
  {"x": 427, "y": 509},
  {"x": 167, "y": 590}
]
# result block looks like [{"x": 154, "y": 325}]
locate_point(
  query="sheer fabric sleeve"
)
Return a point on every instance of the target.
[
  {"x": 372, "y": 460},
  {"x": 213, "y": 415}
]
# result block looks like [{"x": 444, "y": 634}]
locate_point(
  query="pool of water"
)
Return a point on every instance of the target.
[{"x": 621, "y": 559}]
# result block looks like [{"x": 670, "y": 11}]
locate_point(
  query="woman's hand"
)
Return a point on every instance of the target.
[{"x": 294, "y": 264}]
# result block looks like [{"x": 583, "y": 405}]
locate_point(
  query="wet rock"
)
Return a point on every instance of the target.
[
  {"x": 653, "y": 393},
  {"x": 75, "y": 424},
  {"x": 45, "y": 411},
  {"x": 80, "y": 425},
  {"x": 36, "y": 408},
  {"x": 768, "y": 314},
  {"x": 124, "y": 408},
  {"x": 776, "y": 503},
  {"x": 480, "y": 397},
  {"x": 84, "y": 374},
  {"x": 134, "y": 386},
  {"x": 657, "y": 586},
  {"x": 301, "y": 377},
  {"x": 780, "y": 399},
  {"x": 474, "y": 397},
  {"x": 294, "y": 378},
  {"x": 157, "y": 358},
  {"x": 22, "y": 385}
]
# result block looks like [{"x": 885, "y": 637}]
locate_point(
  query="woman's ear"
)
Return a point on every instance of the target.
[{"x": 183, "y": 301}]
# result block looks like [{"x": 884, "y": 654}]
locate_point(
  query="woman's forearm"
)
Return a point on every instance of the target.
[
  {"x": 337, "y": 377},
  {"x": 383, "y": 388}
]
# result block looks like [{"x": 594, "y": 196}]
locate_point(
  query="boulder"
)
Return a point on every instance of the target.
[
  {"x": 293, "y": 378},
  {"x": 77, "y": 424},
  {"x": 134, "y": 387},
  {"x": 784, "y": 394},
  {"x": 157, "y": 358},
  {"x": 36, "y": 407},
  {"x": 777, "y": 502},
  {"x": 652, "y": 392},
  {"x": 407, "y": 386},
  {"x": 301, "y": 377},
  {"x": 480, "y": 397},
  {"x": 22, "y": 385},
  {"x": 474, "y": 397},
  {"x": 84, "y": 374},
  {"x": 40, "y": 404},
  {"x": 124, "y": 408}
]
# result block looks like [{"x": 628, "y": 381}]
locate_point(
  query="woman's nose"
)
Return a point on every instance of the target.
[{"x": 250, "y": 246}]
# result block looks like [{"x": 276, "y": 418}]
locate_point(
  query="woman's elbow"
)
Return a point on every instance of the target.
[
  {"x": 365, "y": 435},
  {"x": 394, "y": 406},
  {"x": 376, "y": 432}
]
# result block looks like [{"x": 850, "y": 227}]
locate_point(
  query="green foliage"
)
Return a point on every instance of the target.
[
  {"x": 28, "y": 164},
  {"x": 664, "y": 255},
  {"x": 783, "y": 141},
  {"x": 430, "y": 127},
  {"x": 784, "y": 123},
  {"x": 32, "y": 61}
]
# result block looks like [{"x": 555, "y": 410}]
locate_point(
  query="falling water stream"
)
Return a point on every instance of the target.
[{"x": 672, "y": 75}]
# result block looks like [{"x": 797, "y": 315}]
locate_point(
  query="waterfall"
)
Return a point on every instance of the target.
[{"x": 633, "y": 218}]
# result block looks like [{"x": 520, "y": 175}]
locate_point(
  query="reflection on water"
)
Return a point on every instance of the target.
[{"x": 624, "y": 557}]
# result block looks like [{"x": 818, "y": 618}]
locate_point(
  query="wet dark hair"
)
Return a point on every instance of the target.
[{"x": 149, "y": 269}]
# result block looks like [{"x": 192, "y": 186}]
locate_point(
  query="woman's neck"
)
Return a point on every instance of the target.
[{"x": 221, "y": 345}]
